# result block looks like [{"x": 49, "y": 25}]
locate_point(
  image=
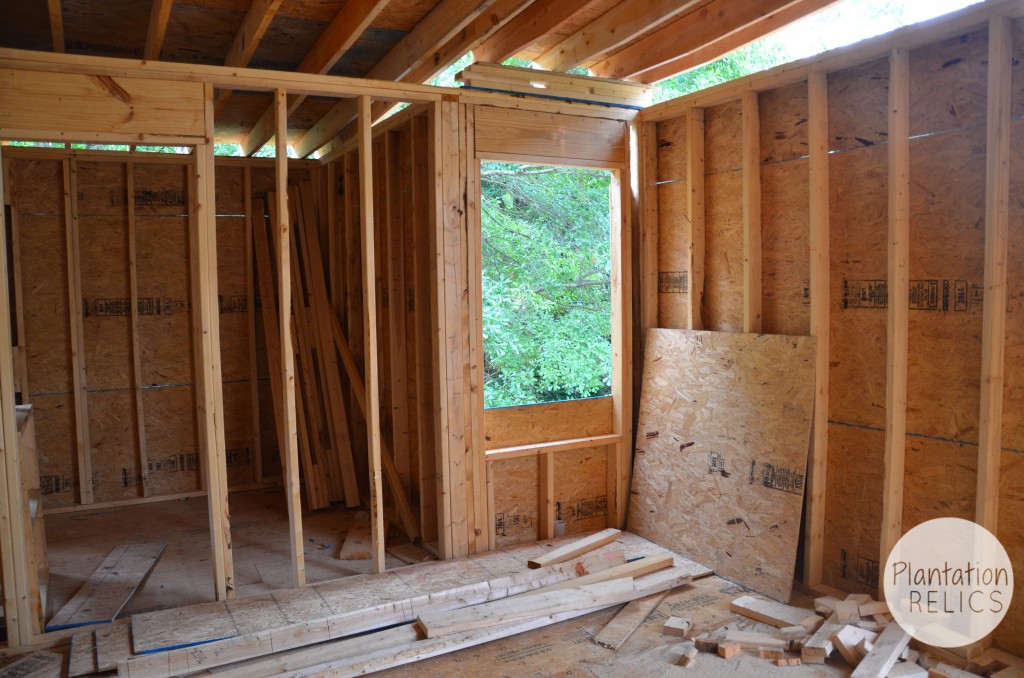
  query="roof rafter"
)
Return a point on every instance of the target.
[
  {"x": 540, "y": 18},
  {"x": 439, "y": 42},
  {"x": 614, "y": 28},
  {"x": 714, "y": 21},
  {"x": 56, "y": 24},
  {"x": 254, "y": 26},
  {"x": 159, "y": 17},
  {"x": 351, "y": 21},
  {"x": 744, "y": 36}
]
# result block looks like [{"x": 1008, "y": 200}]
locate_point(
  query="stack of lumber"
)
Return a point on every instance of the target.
[
  {"x": 365, "y": 623},
  {"x": 325, "y": 448}
]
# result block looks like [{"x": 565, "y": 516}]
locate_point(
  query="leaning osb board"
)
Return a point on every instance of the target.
[
  {"x": 673, "y": 255},
  {"x": 853, "y": 508},
  {"x": 948, "y": 84},
  {"x": 723, "y": 253},
  {"x": 546, "y": 422},
  {"x": 858, "y": 106},
  {"x": 171, "y": 439},
  {"x": 722, "y": 441},
  {"x": 581, "y": 489},
  {"x": 515, "y": 501},
  {"x": 947, "y": 280},
  {"x": 785, "y": 248},
  {"x": 112, "y": 440}
]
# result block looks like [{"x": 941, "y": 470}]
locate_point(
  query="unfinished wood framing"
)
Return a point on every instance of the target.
[
  {"x": 751, "y": 213},
  {"x": 695, "y": 210},
  {"x": 898, "y": 305}
]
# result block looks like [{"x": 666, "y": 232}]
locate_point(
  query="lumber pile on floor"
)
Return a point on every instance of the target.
[{"x": 362, "y": 624}]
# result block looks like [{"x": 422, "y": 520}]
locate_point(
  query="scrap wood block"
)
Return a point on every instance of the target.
[
  {"x": 944, "y": 670},
  {"x": 819, "y": 646},
  {"x": 846, "y": 640},
  {"x": 860, "y": 598},
  {"x": 358, "y": 541},
  {"x": 773, "y": 613},
  {"x": 676, "y": 626},
  {"x": 883, "y": 652},
  {"x": 907, "y": 670},
  {"x": 689, "y": 657},
  {"x": 576, "y": 548},
  {"x": 826, "y": 602},
  {"x": 788, "y": 661},
  {"x": 874, "y": 607},
  {"x": 728, "y": 649},
  {"x": 770, "y": 653},
  {"x": 796, "y": 632},
  {"x": 847, "y": 611},
  {"x": 708, "y": 643},
  {"x": 754, "y": 640},
  {"x": 410, "y": 554},
  {"x": 711, "y": 626},
  {"x": 621, "y": 627}
]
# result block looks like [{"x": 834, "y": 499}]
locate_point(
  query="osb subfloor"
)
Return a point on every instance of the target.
[{"x": 78, "y": 542}]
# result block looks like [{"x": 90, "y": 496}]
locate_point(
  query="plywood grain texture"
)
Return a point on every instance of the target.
[
  {"x": 723, "y": 278},
  {"x": 722, "y": 446},
  {"x": 785, "y": 248},
  {"x": 857, "y": 105},
  {"x": 671, "y": 152},
  {"x": 723, "y": 147},
  {"x": 783, "y": 116},
  {"x": 549, "y": 135},
  {"x": 948, "y": 84},
  {"x": 673, "y": 250}
]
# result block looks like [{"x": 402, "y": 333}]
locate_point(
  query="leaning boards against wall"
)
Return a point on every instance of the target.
[{"x": 721, "y": 451}]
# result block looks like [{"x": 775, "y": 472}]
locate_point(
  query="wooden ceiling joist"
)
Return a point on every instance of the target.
[
  {"x": 714, "y": 21},
  {"x": 536, "y": 21},
  {"x": 437, "y": 46},
  {"x": 56, "y": 24},
  {"x": 614, "y": 28},
  {"x": 159, "y": 16},
  {"x": 733, "y": 41},
  {"x": 254, "y": 26},
  {"x": 351, "y": 22}
]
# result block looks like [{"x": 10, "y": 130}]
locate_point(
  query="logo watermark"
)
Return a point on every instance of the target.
[{"x": 948, "y": 582}]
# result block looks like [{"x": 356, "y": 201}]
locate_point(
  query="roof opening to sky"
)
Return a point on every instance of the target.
[{"x": 840, "y": 24}]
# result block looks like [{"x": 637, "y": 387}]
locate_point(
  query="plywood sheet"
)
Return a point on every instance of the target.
[
  {"x": 38, "y": 186},
  {"x": 581, "y": 489},
  {"x": 546, "y": 422},
  {"x": 785, "y": 248},
  {"x": 723, "y": 259},
  {"x": 940, "y": 480},
  {"x": 551, "y": 135},
  {"x": 515, "y": 501},
  {"x": 1008, "y": 635},
  {"x": 114, "y": 445},
  {"x": 721, "y": 453},
  {"x": 58, "y": 461},
  {"x": 171, "y": 439}
]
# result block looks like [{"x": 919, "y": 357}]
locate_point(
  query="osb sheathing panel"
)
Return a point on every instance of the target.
[
  {"x": 515, "y": 501},
  {"x": 940, "y": 480},
  {"x": 165, "y": 334},
  {"x": 37, "y": 186},
  {"x": 671, "y": 143},
  {"x": 785, "y": 248},
  {"x": 581, "y": 489},
  {"x": 233, "y": 292},
  {"x": 723, "y": 254},
  {"x": 783, "y": 120},
  {"x": 237, "y": 433},
  {"x": 171, "y": 439},
  {"x": 547, "y": 422},
  {"x": 113, "y": 442},
  {"x": 230, "y": 190},
  {"x": 723, "y": 145},
  {"x": 948, "y": 84},
  {"x": 722, "y": 440},
  {"x": 853, "y": 508},
  {"x": 1017, "y": 86},
  {"x": 947, "y": 272},
  {"x": 58, "y": 462},
  {"x": 858, "y": 105},
  {"x": 673, "y": 254},
  {"x": 103, "y": 257},
  {"x": 580, "y": 475},
  {"x": 47, "y": 333},
  {"x": 858, "y": 215}
]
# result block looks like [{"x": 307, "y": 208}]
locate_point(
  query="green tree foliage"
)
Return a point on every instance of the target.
[
  {"x": 755, "y": 57},
  {"x": 546, "y": 283}
]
